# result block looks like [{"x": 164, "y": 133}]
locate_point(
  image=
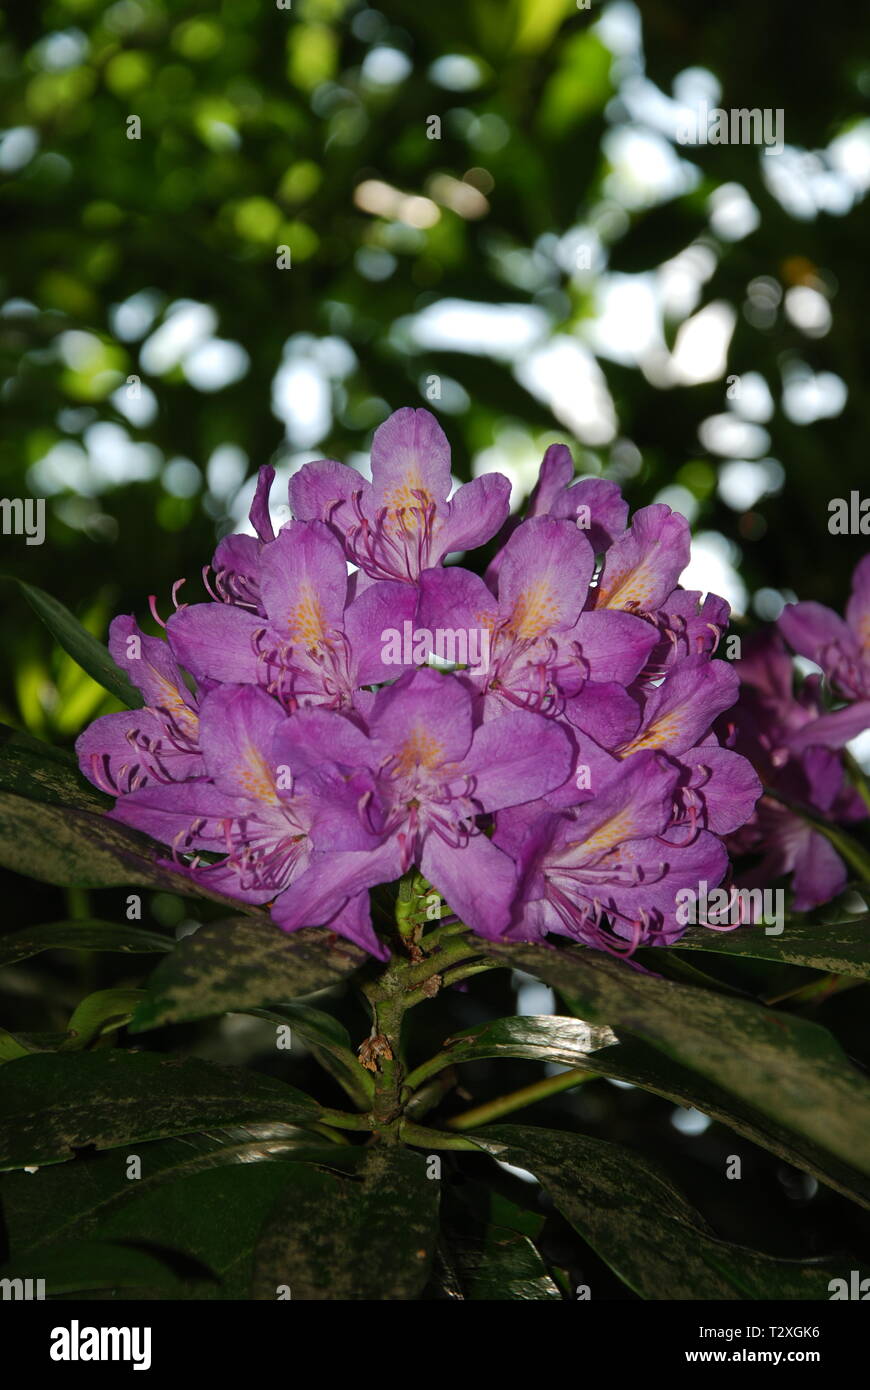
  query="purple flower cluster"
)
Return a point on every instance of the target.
[
  {"x": 795, "y": 739},
  {"x": 568, "y": 780}
]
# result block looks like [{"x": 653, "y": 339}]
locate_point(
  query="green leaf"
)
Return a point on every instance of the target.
[
  {"x": 11, "y": 1047},
  {"x": 42, "y": 772},
  {"x": 101, "y": 1269},
  {"x": 21, "y": 1044},
  {"x": 239, "y": 964},
  {"x": 656, "y": 235},
  {"x": 52, "y": 1104},
  {"x": 74, "y": 1201},
  {"x": 81, "y": 934},
  {"x": 370, "y": 1236},
  {"x": 842, "y": 948},
  {"x": 580, "y": 86},
  {"x": 81, "y": 645},
  {"x": 642, "y": 1065},
  {"x": 542, "y": 1038},
  {"x": 787, "y": 1068},
  {"x": 75, "y": 848},
  {"x": 100, "y": 1013},
  {"x": 180, "y": 1217},
  {"x": 627, "y": 1209},
  {"x": 501, "y": 1265},
  {"x": 330, "y": 1045}
]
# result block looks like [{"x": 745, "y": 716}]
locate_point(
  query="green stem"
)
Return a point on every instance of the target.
[
  {"x": 386, "y": 1039},
  {"x": 448, "y": 955},
  {"x": 464, "y": 972},
  {"x": 518, "y": 1100},
  {"x": 401, "y": 985},
  {"x": 451, "y": 978},
  {"x": 435, "y": 938},
  {"x": 427, "y": 1069},
  {"x": 424, "y": 1100},
  {"x": 422, "y": 1138},
  {"x": 333, "y": 1135},
  {"x": 342, "y": 1119}
]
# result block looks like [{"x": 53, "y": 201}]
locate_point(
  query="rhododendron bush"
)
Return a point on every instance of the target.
[{"x": 407, "y": 740}]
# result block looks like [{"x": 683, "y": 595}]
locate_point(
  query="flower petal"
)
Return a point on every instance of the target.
[
  {"x": 478, "y": 881},
  {"x": 330, "y": 879},
  {"x": 614, "y": 646},
  {"x": 354, "y": 922},
  {"x": 833, "y": 730},
  {"x": 544, "y": 577},
  {"x": 152, "y": 667},
  {"x": 726, "y": 783},
  {"x": 239, "y": 724},
  {"x": 517, "y": 758},
  {"x": 679, "y": 712},
  {"x": 811, "y": 629},
  {"x": 424, "y": 720},
  {"x": 597, "y": 507},
  {"x": 122, "y": 751},
  {"x": 324, "y": 491},
  {"x": 474, "y": 514},
  {"x": 259, "y": 513},
  {"x": 643, "y": 566},
  {"x": 216, "y": 641},
  {"x": 303, "y": 580},
  {"x": 379, "y": 611},
  {"x": 410, "y": 461}
]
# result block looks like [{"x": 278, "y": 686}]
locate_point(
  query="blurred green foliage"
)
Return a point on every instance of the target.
[{"x": 258, "y": 127}]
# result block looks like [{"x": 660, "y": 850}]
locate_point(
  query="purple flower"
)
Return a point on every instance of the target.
[
  {"x": 783, "y": 733},
  {"x": 248, "y": 807},
  {"x": 236, "y": 563},
  {"x": 313, "y": 762},
  {"x": 401, "y": 522},
  {"x": 594, "y": 505},
  {"x": 307, "y": 645},
  {"x": 158, "y": 743},
  {"x": 543, "y": 646},
  {"x": 614, "y": 859},
  {"x": 424, "y": 776},
  {"x": 842, "y": 649}
]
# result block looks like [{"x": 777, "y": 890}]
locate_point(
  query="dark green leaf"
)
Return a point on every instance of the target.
[
  {"x": 840, "y": 949},
  {"x": 371, "y": 1236},
  {"x": 44, "y": 773},
  {"x": 789, "y": 1069},
  {"x": 501, "y": 1265},
  {"x": 21, "y": 1044},
  {"x": 73, "y": 1201},
  {"x": 51, "y": 1104},
  {"x": 329, "y": 1042},
  {"x": 243, "y": 963},
  {"x": 644, "y": 1229},
  {"x": 75, "y": 848},
  {"x": 81, "y": 645},
  {"x": 81, "y": 934},
  {"x": 644, "y": 1066},
  {"x": 101, "y": 1268},
  {"x": 542, "y": 1038},
  {"x": 210, "y": 1219},
  {"x": 12, "y": 1047},
  {"x": 100, "y": 1013}
]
